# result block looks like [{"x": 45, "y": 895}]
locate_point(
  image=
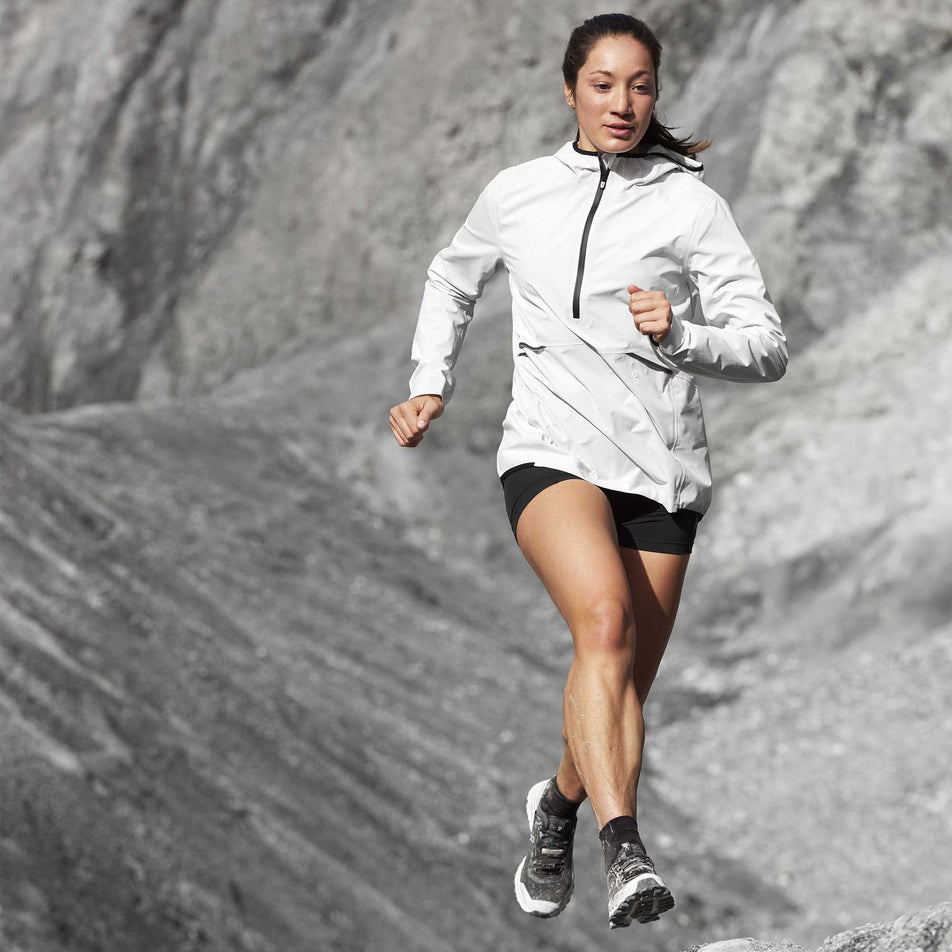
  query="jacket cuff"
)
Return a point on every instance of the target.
[
  {"x": 427, "y": 380},
  {"x": 672, "y": 344}
]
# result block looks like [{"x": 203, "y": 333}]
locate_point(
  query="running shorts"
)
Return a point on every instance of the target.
[{"x": 641, "y": 523}]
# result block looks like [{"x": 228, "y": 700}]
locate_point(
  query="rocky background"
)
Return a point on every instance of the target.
[{"x": 270, "y": 682}]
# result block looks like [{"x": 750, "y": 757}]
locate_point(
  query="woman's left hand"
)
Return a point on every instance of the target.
[{"x": 651, "y": 311}]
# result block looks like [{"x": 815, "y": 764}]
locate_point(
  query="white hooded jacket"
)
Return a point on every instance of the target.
[{"x": 590, "y": 394}]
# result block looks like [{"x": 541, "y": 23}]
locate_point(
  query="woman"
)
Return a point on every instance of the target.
[{"x": 628, "y": 277}]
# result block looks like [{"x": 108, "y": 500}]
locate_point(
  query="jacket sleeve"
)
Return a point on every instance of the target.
[
  {"x": 455, "y": 280},
  {"x": 737, "y": 335}
]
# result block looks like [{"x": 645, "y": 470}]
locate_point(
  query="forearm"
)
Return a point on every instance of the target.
[
  {"x": 441, "y": 328},
  {"x": 455, "y": 279},
  {"x": 742, "y": 354}
]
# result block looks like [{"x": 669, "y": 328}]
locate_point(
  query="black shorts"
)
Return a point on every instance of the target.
[{"x": 641, "y": 523}]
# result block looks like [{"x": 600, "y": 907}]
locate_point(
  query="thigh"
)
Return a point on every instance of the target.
[
  {"x": 655, "y": 580},
  {"x": 522, "y": 484},
  {"x": 567, "y": 534}
]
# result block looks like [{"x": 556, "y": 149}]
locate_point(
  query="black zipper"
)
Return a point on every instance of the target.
[{"x": 602, "y": 178}]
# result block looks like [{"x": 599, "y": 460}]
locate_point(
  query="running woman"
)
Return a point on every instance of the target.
[{"x": 629, "y": 277}]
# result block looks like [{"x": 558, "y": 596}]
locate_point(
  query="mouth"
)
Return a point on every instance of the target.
[{"x": 619, "y": 128}]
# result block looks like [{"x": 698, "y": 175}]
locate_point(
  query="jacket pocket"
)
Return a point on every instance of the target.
[{"x": 649, "y": 363}]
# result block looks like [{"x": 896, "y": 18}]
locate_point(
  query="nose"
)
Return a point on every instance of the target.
[{"x": 621, "y": 102}]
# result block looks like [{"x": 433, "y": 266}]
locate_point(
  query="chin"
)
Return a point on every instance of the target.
[{"x": 620, "y": 145}]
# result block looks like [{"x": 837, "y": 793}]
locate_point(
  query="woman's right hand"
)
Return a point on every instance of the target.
[{"x": 410, "y": 420}]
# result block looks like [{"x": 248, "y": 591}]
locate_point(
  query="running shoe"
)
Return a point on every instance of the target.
[
  {"x": 635, "y": 890},
  {"x": 544, "y": 878}
]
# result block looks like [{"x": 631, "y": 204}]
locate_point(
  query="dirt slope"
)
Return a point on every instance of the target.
[{"x": 239, "y": 713}]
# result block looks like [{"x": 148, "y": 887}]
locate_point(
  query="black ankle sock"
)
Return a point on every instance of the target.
[
  {"x": 555, "y": 802},
  {"x": 623, "y": 829}
]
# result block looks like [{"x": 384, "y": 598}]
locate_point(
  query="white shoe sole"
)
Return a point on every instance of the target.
[
  {"x": 645, "y": 898},
  {"x": 536, "y": 907}
]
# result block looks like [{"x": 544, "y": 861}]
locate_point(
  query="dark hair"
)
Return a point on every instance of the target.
[{"x": 596, "y": 28}]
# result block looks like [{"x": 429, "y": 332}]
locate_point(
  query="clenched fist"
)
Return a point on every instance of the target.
[
  {"x": 410, "y": 420},
  {"x": 651, "y": 311}
]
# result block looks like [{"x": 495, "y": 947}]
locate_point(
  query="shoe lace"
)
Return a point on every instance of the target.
[
  {"x": 632, "y": 857},
  {"x": 552, "y": 845}
]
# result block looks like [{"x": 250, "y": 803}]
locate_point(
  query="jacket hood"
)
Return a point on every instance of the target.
[{"x": 637, "y": 168}]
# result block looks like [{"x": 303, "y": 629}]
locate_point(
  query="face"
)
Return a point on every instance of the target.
[{"x": 614, "y": 95}]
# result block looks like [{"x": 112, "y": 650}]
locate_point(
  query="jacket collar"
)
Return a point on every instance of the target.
[{"x": 637, "y": 167}]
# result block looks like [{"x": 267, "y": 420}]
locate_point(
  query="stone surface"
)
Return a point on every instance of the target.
[
  {"x": 748, "y": 945},
  {"x": 929, "y": 930}
]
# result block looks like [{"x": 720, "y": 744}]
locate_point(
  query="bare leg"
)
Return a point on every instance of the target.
[
  {"x": 568, "y": 537},
  {"x": 655, "y": 581}
]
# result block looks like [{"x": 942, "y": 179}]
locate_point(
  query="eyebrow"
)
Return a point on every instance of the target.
[{"x": 608, "y": 72}]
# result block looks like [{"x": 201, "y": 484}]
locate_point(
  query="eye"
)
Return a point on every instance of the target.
[{"x": 602, "y": 86}]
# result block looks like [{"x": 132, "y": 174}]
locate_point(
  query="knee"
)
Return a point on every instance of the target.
[{"x": 606, "y": 631}]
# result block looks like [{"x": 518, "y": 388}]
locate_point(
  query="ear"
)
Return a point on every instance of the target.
[{"x": 569, "y": 95}]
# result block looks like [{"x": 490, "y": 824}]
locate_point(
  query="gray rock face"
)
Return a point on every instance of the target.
[
  {"x": 748, "y": 945},
  {"x": 133, "y": 138},
  {"x": 929, "y": 930},
  {"x": 186, "y": 185}
]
